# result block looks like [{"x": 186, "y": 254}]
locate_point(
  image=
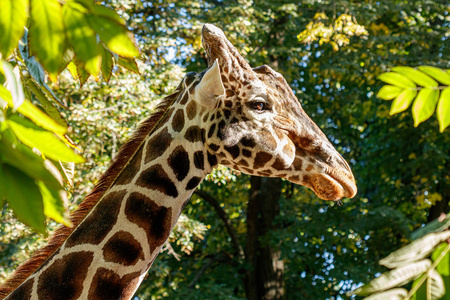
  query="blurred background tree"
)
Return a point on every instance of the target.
[{"x": 331, "y": 52}]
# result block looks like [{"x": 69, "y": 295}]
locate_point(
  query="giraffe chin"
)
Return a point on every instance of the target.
[{"x": 330, "y": 188}]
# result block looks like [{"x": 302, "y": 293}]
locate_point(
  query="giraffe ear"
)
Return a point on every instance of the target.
[{"x": 210, "y": 87}]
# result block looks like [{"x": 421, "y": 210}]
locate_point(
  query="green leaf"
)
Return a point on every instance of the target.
[
  {"x": 12, "y": 23},
  {"x": 46, "y": 142},
  {"x": 46, "y": 104},
  {"x": 114, "y": 35},
  {"x": 82, "y": 37},
  {"x": 129, "y": 64},
  {"x": 35, "y": 114},
  {"x": 21, "y": 157},
  {"x": 436, "y": 73},
  {"x": 415, "y": 251},
  {"x": 397, "y": 80},
  {"x": 13, "y": 85},
  {"x": 46, "y": 36},
  {"x": 107, "y": 64},
  {"x": 54, "y": 204},
  {"x": 106, "y": 12},
  {"x": 82, "y": 75},
  {"x": 443, "y": 110},
  {"x": 416, "y": 76},
  {"x": 424, "y": 105},
  {"x": 443, "y": 266},
  {"x": 23, "y": 197},
  {"x": 389, "y": 92},
  {"x": 402, "y": 101},
  {"x": 394, "y": 278}
]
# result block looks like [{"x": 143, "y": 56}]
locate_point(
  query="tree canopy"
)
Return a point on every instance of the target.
[{"x": 337, "y": 56}]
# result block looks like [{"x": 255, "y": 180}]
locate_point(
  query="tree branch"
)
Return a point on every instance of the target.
[{"x": 224, "y": 217}]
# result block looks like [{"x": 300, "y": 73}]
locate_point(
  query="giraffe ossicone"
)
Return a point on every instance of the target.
[{"x": 247, "y": 119}]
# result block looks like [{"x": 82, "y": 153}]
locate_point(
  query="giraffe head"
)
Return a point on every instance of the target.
[{"x": 254, "y": 123}]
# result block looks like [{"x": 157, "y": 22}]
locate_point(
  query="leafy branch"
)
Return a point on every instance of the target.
[
  {"x": 427, "y": 86},
  {"x": 39, "y": 40},
  {"x": 426, "y": 262}
]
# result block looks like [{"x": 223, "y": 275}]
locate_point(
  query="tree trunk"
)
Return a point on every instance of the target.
[{"x": 264, "y": 278}]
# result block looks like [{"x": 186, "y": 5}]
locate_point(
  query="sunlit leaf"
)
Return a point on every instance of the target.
[
  {"x": 55, "y": 203},
  {"x": 389, "y": 92},
  {"x": 23, "y": 197},
  {"x": 129, "y": 64},
  {"x": 415, "y": 251},
  {"x": 45, "y": 141},
  {"x": 394, "y": 278},
  {"x": 82, "y": 37},
  {"x": 444, "y": 265},
  {"x": 12, "y": 23},
  {"x": 416, "y": 76},
  {"x": 443, "y": 110},
  {"x": 402, "y": 101},
  {"x": 22, "y": 158},
  {"x": 397, "y": 80},
  {"x": 82, "y": 75},
  {"x": 114, "y": 35},
  {"x": 436, "y": 73},
  {"x": 107, "y": 64},
  {"x": 46, "y": 35},
  {"x": 424, "y": 105},
  {"x": 13, "y": 85}
]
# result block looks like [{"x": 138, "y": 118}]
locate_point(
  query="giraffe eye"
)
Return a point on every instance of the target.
[{"x": 260, "y": 106}]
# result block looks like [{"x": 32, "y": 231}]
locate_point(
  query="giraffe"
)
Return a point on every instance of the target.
[{"x": 230, "y": 114}]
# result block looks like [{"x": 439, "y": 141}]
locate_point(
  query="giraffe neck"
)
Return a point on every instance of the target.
[{"x": 109, "y": 253}]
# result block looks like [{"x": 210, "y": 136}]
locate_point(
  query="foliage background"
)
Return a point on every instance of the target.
[{"x": 402, "y": 172}]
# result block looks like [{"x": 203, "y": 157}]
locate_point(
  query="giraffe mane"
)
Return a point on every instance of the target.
[{"x": 125, "y": 154}]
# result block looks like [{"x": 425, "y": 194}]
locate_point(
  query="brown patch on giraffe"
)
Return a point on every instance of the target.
[
  {"x": 154, "y": 219},
  {"x": 23, "y": 292},
  {"x": 131, "y": 169},
  {"x": 246, "y": 153},
  {"x": 189, "y": 78},
  {"x": 107, "y": 285},
  {"x": 158, "y": 144},
  {"x": 64, "y": 278},
  {"x": 123, "y": 248},
  {"x": 178, "y": 121},
  {"x": 99, "y": 223},
  {"x": 261, "y": 159},
  {"x": 224, "y": 78},
  {"x": 193, "y": 183},
  {"x": 195, "y": 134},
  {"x": 199, "y": 160},
  {"x": 167, "y": 116},
  {"x": 228, "y": 103},
  {"x": 191, "y": 110},
  {"x": 227, "y": 113},
  {"x": 249, "y": 171},
  {"x": 309, "y": 168},
  {"x": 156, "y": 178},
  {"x": 297, "y": 164},
  {"x": 230, "y": 93},
  {"x": 211, "y": 130},
  {"x": 213, "y": 147},
  {"x": 248, "y": 142},
  {"x": 185, "y": 98},
  {"x": 205, "y": 117},
  {"x": 294, "y": 178},
  {"x": 212, "y": 160},
  {"x": 243, "y": 163},
  {"x": 179, "y": 162},
  {"x": 279, "y": 164},
  {"x": 233, "y": 150}
]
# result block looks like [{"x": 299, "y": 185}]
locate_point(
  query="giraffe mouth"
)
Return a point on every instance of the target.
[{"x": 332, "y": 186}]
